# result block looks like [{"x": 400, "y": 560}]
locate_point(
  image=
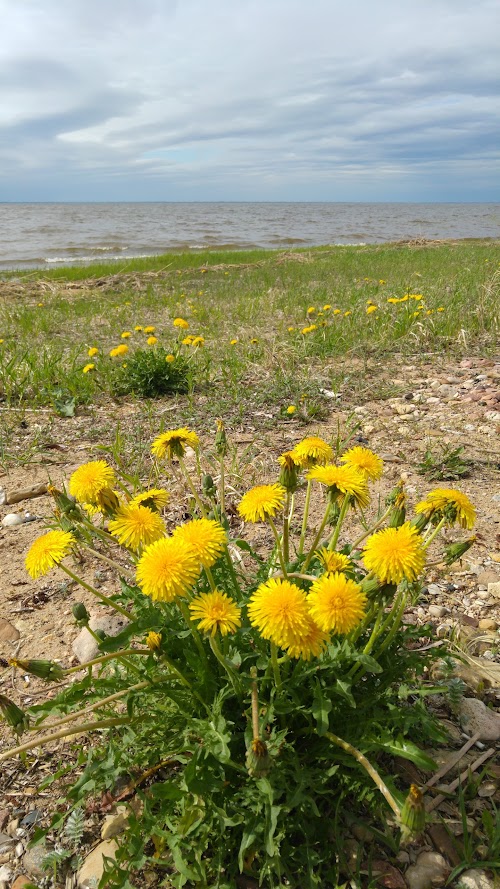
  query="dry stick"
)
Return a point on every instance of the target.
[
  {"x": 65, "y": 733},
  {"x": 374, "y": 775},
  {"x": 451, "y": 763},
  {"x": 461, "y": 778}
]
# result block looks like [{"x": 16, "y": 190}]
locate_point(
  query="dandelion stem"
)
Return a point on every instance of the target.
[
  {"x": 105, "y": 599},
  {"x": 373, "y": 528},
  {"x": 317, "y": 538},
  {"x": 210, "y": 578},
  {"x": 222, "y": 487},
  {"x": 66, "y": 733},
  {"x": 435, "y": 532},
  {"x": 286, "y": 530},
  {"x": 305, "y": 517},
  {"x": 278, "y": 545},
  {"x": 275, "y": 665},
  {"x": 112, "y": 564},
  {"x": 191, "y": 487},
  {"x": 104, "y": 658},
  {"x": 340, "y": 520},
  {"x": 194, "y": 632},
  {"x": 214, "y": 645},
  {"x": 374, "y": 775}
]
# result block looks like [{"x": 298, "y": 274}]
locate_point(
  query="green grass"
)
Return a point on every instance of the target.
[{"x": 48, "y": 320}]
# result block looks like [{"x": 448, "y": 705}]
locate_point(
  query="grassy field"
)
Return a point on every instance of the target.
[{"x": 280, "y": 330}]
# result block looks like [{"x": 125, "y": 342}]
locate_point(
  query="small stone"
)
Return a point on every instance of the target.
[
  {"x": 12, "y": 827},
  {"x": 6, "y": 842},
  {"x": 32, "y": 861},
  {"x": 5, "y": 874},
  {"x": 12, "y": 520},
  {"x": 432, "y": 400},
  {"x": 477, "y": 718},
  {"x": 434, "y": 589},
  {"x": 92, "y": 868},
  {"x": 486, "y": 623},
  {"x": 31, "y": 818},
  {"x": 429, "y": 870},
  {"x": 8, "y": 632},
  {"x": 486, "y": 430},
  {"x": 475, "y": 879},
  {"x": 21, "y": 882},
  {"x": 494, "y": 589},
  {"x": 438, "y": 610},
  {"x": 85, "y": 647}
]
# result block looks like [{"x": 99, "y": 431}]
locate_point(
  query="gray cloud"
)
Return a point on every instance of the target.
[{"x": 250, "y": 99}]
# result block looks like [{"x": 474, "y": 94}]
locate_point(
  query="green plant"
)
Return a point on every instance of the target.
[
  {"x": 151, "y": 373},
  {"x": 447, "y": 464}
]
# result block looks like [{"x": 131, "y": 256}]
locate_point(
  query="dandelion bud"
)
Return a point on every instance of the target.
[
  {"x": 413, "y": 813},
  {"x": 221, "y": 439},
  {"x": 65, "y": 503},
  {"x": 258, "y": 761},
  {"x": 455, "y": 551},
  {"x": 80, "y": 614},
  {"x": 397, "y": 498},
  {"x": 107, "y": 501},
  {"x": 208, "y": 486},
  {"x": 153, "y": 641},
  {"x": 48, "y": 670},
  {"x": 15, "y": 717},
  {"x": 420, "y": 521},
  {"x": 288, "y": 473},
  {"x": 375, "y": 591}
]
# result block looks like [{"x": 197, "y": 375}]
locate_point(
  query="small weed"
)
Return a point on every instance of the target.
[
  {"x": 446, "y": 465},
  {"x": 151, "y": 373}
]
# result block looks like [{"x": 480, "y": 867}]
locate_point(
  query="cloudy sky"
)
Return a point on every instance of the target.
[{"x": 367, "y": 100}]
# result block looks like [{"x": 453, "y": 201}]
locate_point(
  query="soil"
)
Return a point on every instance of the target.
[{"x": 436, "y": 403}]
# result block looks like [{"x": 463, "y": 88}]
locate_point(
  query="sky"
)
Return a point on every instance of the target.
[{"x": 269, "y": 100}]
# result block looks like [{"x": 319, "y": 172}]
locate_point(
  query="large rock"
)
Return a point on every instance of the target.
[
  {"x": 430, "y": 870},
  {"x": 477, "y": 718},
  {"x": 92, "y": 868},
  {"x": 85, "y": 647}
]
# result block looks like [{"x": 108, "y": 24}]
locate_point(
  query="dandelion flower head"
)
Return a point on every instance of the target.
[
  {"x": 153, "y": 640},
  {"x": 278, "y": 609},
  {"x": 149, "y": 329},
  {"x": 336, "y": 603},
  {"x": 48, "y": 551},
  {"x": 88, "y": 368},
  {"x": 342, "y": 480},
  {"x": 333, "y": 561},
  {"x": 365, "y": 461},
  {"x": 168, "y": 568},
  {"x": 206, "y": 538},
  {"x": 449, "y": 504},
  {"x": 395, "y": 553},
  {"x": 216, "y": 612},
  {"x": 154, "y": 498},
  {"x": 174, "y": 443},
  {"x": 152, "y": 340},
  {"x": 311, "y": 451},
  {"x": 119, "y": 350},
  {"x": 92, "y": 352},
  {"x": 181, "y": 323},
  {"x": 310, "y": 643},
  {"x": 169, "y": 358},
  {"x": 261, "y": 503},
  {"x": 90, "y": 480},
  {"x": 136, "y": 526}
]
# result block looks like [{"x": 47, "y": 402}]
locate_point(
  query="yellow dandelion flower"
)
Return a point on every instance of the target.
[
  {"x": 136, "y": 526},
  {"x": 174, "y": 443},
  {"x": 415, "y": 296},
  {"x": 206, "y": 538},
  {"x": 440, "y": 309},
  {"x": 336, "y": 603},
  {"x": 365, "y": 461},
  {"x": 291, "y": 409},
  {"x": 188, "y": 340},
  {"x": 149, "y": 329},
  {"x": 233, "y": 342},
  {"x": 90, "y": 479},
  {"x": 198, "y": 341},
  {"x": 152, "y": 340},
  {"x": 327, "y": 307},
  {"x": 346, "y": 314},
  {"x": 153, "y": 640},
  {"x": 168, "y": 568},
  {"x": 154, "y": 498},
  {"x": 92, "y": 352},
  {"x": 169, "y": 358},
  {"x": 48, "y": 551},
  {"x": 311, "y": 310},
  {"x": 342, "y": 480},
  {"x": 254, "y": 340},
  {"x": 261, "y": 503},
  {"x": 216, "y": 612},
  {"x": 337, "y": 311},
  {"x": 278, "y": 609},
  {"x": 126, "y": 334},
  {"x": 333, "y": 561},
  {"x": 395, "y": 553},
  {"x": 450, "y": 504},
  {"x": 311, "y": 643},
  {"x": 382, "y": 281},
  {"x": 370, "y": 309},
  {"x": 290, "y": 329},
  {"x": 393, "y": 300},
  {"x": 88, "y": 368},
  {"x": 312, "y": 450},
  {"x": 118, "y": 351},
  {"x": 138, "y": 328},
  {"x": 181, "y": 323}
]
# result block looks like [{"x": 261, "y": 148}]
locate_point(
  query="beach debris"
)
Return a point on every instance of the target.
[
  {"x": 7, "y": 499},
  {"x": 13, "y": 519}
]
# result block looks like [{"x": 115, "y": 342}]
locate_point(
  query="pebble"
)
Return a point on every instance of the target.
[
  {"x": 13, "y": 519},
  {"x": 6, "y": 842},
  {"x": 476, "y": 717},
  {"x": 85, "y": 647},
  {"x": 486, "y": 623},
  {"x": 438, "y": 610},
  {"x": 429, "y": 870},
  {"x": 5, "y": 874},
  {"x": 8, "y": 632},
  {"x": 32, "y": 861},
  {"x": 92, "y": 868},
  {"x": 494, "y": 589},
  {"x": 21, "y": 882},
  {"x": 114, "y": 824},
  {"x": 475, "y": 879}
]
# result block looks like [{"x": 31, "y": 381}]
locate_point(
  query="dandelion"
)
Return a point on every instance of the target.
[
  {"x": 188, "y": 340},
  {"x": 174, "y": 443},
  {"x": 149, "y": 329},
  {"x": 233, "y": 342},
  {"x": 393, "y": 300},
  {"x": 48, "y": 551},
  {"x": 153, "y": 641},
  {"x": 288, "y": 473},
  {"x": 90, "y": 480},
  {"x": 449, "y": 504},
  {"x": 365, "y": 461},
  {"x": 312, "y": 450},
  {"x": 205, "y": 537},
  {"x": 216, "y": 612},
  {"x": 370, "y": 309},
  {"x": 311, "y": 643},
  {"x": 154, "y": 498},
  {"x": 346, "y": 314},
  {"x": 291, "y": 409},
  {"x": 119, "y": 350},
  {"x": 336, "y": 603},
  {"x": 333, "y": 561},
  {"x": 168, "y": 568},
  {"x": 342, "y": 480},
  {"x": 88, "y": 368},
  {"x": 136, "y": 526},
  {"x": 138, "y": 328},
  {"x": 337, "y": 312},
  {"x": 440, "y": 309},
  {"x": 169, "y": 358},
  {"x": 327, "y": 307},
  {"x": 395, "y": 553},
  {"x": 92, "y": 352},
  {"x": 181, "y": 323},
  {"x": 290, "y": 329},
  {"x": 261, "y": 503},
  {"x": 254, "y": 340},
  {"x": 311, "y": 310},
  {"x": 152, "y": 340},
  {"x": 278, "y": 609},
  {"x": 126, "y": 334},
  {"x": 198, "y": 341},
  {"x": 382, "y": 281}
]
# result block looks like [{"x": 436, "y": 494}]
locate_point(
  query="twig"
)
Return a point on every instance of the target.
[
  {"x": 451, "y": 762},
  {"x": 461, "y": 778}
]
